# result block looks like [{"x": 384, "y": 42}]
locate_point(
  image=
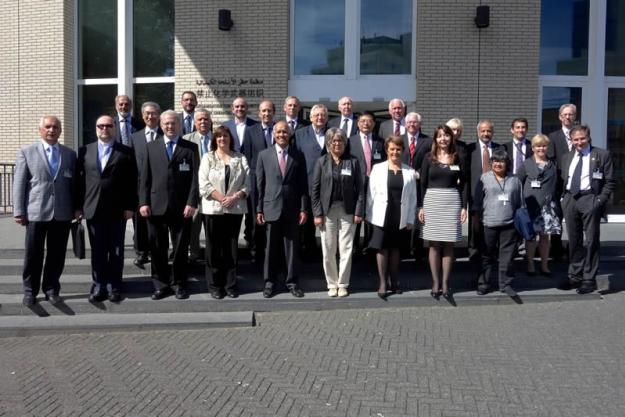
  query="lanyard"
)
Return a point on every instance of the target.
[{"x": 503, "y": 188}]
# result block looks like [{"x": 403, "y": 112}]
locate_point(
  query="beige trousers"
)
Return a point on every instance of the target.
[{"x": 337, "y": 232}]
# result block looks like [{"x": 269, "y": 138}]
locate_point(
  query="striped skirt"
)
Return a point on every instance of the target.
[{"x": 442, "y": 215}]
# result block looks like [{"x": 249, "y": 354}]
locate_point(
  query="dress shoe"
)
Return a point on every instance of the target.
[
  {"x": 181, "y": 293},
  {"x": 98, "y": 297},
  {"x": 268, "y": 292},
  {"x": 115, "y": 297},
  {"x": 53, "y": 298},
  {"x": 232, "y": 293},
  {"x": 140, "y": 261},
  {"x": 29, "y": 300},
  {"x": 217, "y": 294},
  {"x": 332, "y": 292},
  {"x": 482, "y": 291},
  {"x": 343, "y": 292},
  {"x": 585, "y": 289},
  {"x": 296, "y": 292},
  {"x": 162, "y": 293}
]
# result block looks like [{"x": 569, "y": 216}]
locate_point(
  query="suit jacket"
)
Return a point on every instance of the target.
[
  {"x": 139, "y": 143},
  {"x": 509, "y": 147},
  {"x": 337, "y": 121},
  {"x": 474, "y": 162},
  {"x": 36, "y": 194},
  {"x": 558, "y": 146},
  {"x": 377, "y": 196},
  {"x": 424, "y": 145},
  {"x": 196, "y": 138},
  {"x": 231, "y": 124},
  {"x": 105, "y": 195},
  {"x": 256, "y": 145},
  {"x": 600, "y": 162},
  {"x": 277, "y": 195},
  {"x": 163, "y": 185},
  {"x": 181, "y": 121},
  {"x": 306, "y": 143},
  {"x": 387, "y": 128},
  {"x": 354, "y": 147},
  {"x": 301, "y": 123},
  {"x": 136, "y": 124},
  {"x": 352, "y": 186}
]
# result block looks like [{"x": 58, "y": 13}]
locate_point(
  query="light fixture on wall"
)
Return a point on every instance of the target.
[
  {"x": 225, "y": 19},
  {"x": 482, "y": 16}
]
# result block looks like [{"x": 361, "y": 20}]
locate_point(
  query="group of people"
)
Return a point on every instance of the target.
[{"x": 173, "y": 174}]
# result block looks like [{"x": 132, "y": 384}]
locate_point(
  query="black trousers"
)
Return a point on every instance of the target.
[
  {"x": 53, "y": 236},
  {"x": 583, "y": 215},
  {"x": 501, "y": 244},
  {"x": 141, "y": 239},
  {"x": 180, "y": 230},
  {"x": 282, "y": 252},
  {"x": 107, "y": 254},
  {"x": 222, "y": 244}
]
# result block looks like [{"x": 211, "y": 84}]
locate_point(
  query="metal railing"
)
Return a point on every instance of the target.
[{"x": 6, "y": 188}]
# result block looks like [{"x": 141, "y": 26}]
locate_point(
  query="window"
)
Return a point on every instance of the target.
[
  {"x": 553, "y": 98},
  {"x": 616, "y": 145}
]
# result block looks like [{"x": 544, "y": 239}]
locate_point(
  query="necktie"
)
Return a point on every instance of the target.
[
  {"x": 151, "y": 136},
  {"x": 568, "y": 141},
  {"x": 204, "y": 145},
  {"x": 518, "y": 160},
  {"x": 291, "y": 126},
  {"x": 397, "y": 130},
  {"x": 53, "y": 160},
  {"x": 367, "y": 151},
  {"x": 576, "y": 179},
  {"x": 187, "y": 124},
  {"x": 485, "y": 159},
  {"x": 170, "y": 149},
  {"x": 105, "y": 152},
  {"x": 344, "y": 125},
  {"x": 412, "y": 147},
  {"x": 282, "y": 161},
  {"x": 124, "y": 131},
  {"x": 268, "y": 136}
]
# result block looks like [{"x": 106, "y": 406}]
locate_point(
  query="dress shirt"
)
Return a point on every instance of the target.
[
  {"x": 350, "y": 122},
  {"x": 321, "y": 137},
  {"x": 104, "y": 153},
  {"x": 402, "y": 128},
  {"x": 280, "y": 150},
  {"x": 585, "y": 180},
  {"x": 184, "y": 118},
  {"x": 241, "y": 130},
  {"x": 265, "y": 127},
  {"x": 175, "y": 140},
  {"x": 47, "y": 149},
  {"x": 488, "y": 146},
  {"x": 515, "y": 151},
  {"x": 148, "y": 132},
  {"x": 295, "y": 123}
]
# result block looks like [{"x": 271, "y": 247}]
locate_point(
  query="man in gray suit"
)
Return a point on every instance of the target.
[
  {"x": 201, "y": 136},
  {"x": 346, "y": 121},
  {"x": 282, "y": 203},
  {"x": 43, "y": 202},
  {"x": 125, "y": 123},
  {"x": 396, "y": 126},
  {"x": 187, "y": 116}
]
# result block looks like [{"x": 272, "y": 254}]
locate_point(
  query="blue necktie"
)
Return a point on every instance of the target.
[
  {"x": 124, "y": 132},
  {"x": 170, "y": 149},
  {"x": 268, "y": 136},
  {"x": 187, "y": 124},
  {"x": 104, "y": 152},
  {"x": 204, "y": 145},
  {"x": 53, "y": 160}
]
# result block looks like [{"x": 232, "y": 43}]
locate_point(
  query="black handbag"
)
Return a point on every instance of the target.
[
  {"x": 78, "y": 239},
  {"x": 523, "y": 223}
]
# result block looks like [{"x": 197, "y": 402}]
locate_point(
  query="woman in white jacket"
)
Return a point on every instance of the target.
[
  {"x": 224, "y": 185},
  {"x": 391, "y": 209}
]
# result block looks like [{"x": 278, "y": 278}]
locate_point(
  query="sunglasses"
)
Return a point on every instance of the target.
[{"x": 102, "y": 127}]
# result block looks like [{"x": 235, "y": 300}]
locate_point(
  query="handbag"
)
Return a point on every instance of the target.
[
  {"x": 78, "y": 239},
  {"x": 523, "y": 223}
]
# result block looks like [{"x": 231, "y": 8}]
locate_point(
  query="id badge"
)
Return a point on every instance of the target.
[
  {"x": 503, "y": 198},
  {"x": 377, "y": 156},
  {"x": 535, "y": 184},
  {"x": 67, "y": 173},
  {"x": 184, "y": 167},
  {"x": 597, "y": 175},
  {"x": 454, "y": 167},
  {"x": 346, "y": 171}
]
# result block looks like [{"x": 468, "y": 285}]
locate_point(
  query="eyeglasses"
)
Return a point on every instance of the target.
[{"x": 102, "y": 127}]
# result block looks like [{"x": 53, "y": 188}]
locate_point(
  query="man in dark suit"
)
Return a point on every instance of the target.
[
  {"x": 43, "y": 202},
  {"x": 416, "y": 146},
  {"x": 519, "y": 148},
  {"x": 282, "y": 205},
  {"x": 107, "y": 194},
  {"x": 151, "y": 112},
  {"x": 396, "y": 126},
  {"x": 589, "y": 182},
  {"x": 292, "y": 108},
  {"x": 560, "y": 145},
  {"x": 368, "y": 148},
  {"x": 125, "y": 123},
  {"x": 347, "y": 121},
  {"x": 310, "y": 141},
  {"x": 478, "y": 160},
  {"x": 186, "y": 117},
  {"x": 168, "y": 197}
]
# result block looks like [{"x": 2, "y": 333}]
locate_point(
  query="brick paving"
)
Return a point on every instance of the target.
[{"x": 552, "y": 359}]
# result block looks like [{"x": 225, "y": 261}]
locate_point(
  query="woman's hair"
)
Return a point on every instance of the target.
[
  {"x": 452, "y": 143},
  {"x": 221, "y": 131},
  {"x": 500, "y": 155},
  {"x": 397, "y": 140},
  {"x": 335, "y": 133},
  {"x": 540, "y": 139}
]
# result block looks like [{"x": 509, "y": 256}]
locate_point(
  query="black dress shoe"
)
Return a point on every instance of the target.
[
  {"x": 97, "y": 298},
  {"x": 53, "y": 298},
  {"x": 232, "y": 293},
  {"x": 268, "y": 292},
  {"x": 585, "y": 289},
  {"x": 297, "y": 292},
  {"x": 29, "y": 301},
  {"x": 162, "y": 293},
  {"x": 217, "y": 294},
  {"x": 181, "y": 293},
  {"x": 140, "y": 261},
  {"x": 482, "y": 291},
  {"x": 115, "y": 297}
]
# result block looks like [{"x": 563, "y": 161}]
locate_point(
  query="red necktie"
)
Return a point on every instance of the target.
[
  {"x": 412, "y": 147},
  {"x": 282, "y": 162},
  {"x": 397, "y": 131},
  {"x": 485, "y": 159}
]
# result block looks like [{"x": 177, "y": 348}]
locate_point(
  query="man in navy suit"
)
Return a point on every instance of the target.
[
  {"x": 519, "y": 148},
  {"x": 292, "y": 108},
  {"x": 310, "y": 141},
  {"x": 588, "y": 176},
  {"x": 125, "y": 123},
  {"x": 282, "y": 206},
  {"x": 168, "y": 198},
  {"x": 106, "y": 180},
  {"x": 346, "y": 121}
]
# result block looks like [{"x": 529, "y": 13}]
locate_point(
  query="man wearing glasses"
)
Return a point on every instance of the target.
[{"x": 106, "y": 194}]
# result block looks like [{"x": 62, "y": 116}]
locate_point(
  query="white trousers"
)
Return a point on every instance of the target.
[{"x": 337, "y": 232}]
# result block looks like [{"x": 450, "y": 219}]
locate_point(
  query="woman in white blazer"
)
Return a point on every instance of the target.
[
  {"x": 391, "y": 209},
  {"x": 224, "y": 185}
]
